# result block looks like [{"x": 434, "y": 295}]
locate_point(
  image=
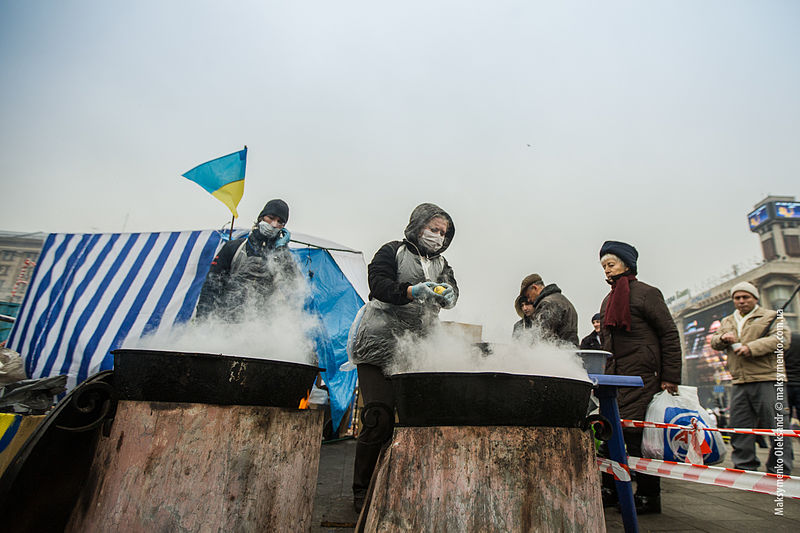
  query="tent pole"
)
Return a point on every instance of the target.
[{"x": 230, "y": 233}]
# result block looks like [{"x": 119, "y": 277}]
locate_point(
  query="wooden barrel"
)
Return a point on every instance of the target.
[
  {"x": 201, "y": 467},
  {"x": 479, "y": 479}
]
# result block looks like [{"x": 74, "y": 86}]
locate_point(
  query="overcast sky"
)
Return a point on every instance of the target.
[{"x": 543, "y": 128}]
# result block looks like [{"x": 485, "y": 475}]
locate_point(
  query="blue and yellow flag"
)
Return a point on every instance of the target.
[{"x": 223, "y": 177}]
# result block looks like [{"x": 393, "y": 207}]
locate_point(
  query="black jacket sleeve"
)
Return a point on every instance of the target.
[
  {"x": 217, "y": 278},
  {"x": 382, "y": 276},
  {"x": 586, "y": 342}
]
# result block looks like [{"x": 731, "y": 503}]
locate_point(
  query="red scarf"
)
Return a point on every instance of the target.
[{"x": 618, "y": 309}]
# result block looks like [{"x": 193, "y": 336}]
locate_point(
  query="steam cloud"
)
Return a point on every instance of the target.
[
  {"x": 447, "y": 349},
  {"x": 265, "y": 324}
]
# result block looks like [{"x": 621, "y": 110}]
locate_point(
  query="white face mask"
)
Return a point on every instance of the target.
[
  {"x": 268, "y": 230},
  {"x": 430, "y": 240}
]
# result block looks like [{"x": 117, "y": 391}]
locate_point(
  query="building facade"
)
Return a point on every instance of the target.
[
  {"x": 18, "y": 255},
  {"x": 776, "y": 220}
]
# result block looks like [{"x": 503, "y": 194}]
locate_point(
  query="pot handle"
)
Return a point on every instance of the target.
[{"x": 601, "y": 426}]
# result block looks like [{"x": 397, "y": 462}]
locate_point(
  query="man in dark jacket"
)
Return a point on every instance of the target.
[
  {"x": 247, "y": 270},
  {"x": 553, "y": 316},
  {"x": 594, "y": 340}
]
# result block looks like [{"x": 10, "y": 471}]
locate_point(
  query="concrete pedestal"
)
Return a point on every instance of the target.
[
  {"x": 198, "y": 467},
  {"x": 479, "y": 479}
]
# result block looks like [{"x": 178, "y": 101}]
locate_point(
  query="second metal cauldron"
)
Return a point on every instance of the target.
[{"x": 489, "y": 399}]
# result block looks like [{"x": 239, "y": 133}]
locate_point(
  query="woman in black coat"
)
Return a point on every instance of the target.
[{"x": 639, "y": 331}]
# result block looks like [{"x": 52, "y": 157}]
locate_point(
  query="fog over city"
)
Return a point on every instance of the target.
[{"x": 542, "y": 128}]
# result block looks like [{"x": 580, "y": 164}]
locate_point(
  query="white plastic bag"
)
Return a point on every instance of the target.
[
  {"x": 12, "y": 368},
  {"x": 681, "y": 445},
  {"x": 318, "y": 396},
  {"x": 351, "y": 341}
]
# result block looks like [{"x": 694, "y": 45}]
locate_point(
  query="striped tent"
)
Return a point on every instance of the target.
[{"x": 90, "y": 292}]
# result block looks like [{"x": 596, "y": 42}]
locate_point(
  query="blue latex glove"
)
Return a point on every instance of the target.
[
  {"x": 448, "y": 296},
  {"x": 423, "y": 291},
  {"x": 283, "y": 240}
]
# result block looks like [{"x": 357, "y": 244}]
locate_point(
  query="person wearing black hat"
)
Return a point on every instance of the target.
[
  {"x": 594, "y": 340},
  {"x": 247, "y": 269},
  {"x": 638, "y": 329}
]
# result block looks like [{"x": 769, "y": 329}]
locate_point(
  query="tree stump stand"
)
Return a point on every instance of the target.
[
  {"x": 199, "y": 467},
  {"x": 479, "y": 479}
]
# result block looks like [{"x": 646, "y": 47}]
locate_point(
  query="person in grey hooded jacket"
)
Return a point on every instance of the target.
[{"x": 409, "y": 282}]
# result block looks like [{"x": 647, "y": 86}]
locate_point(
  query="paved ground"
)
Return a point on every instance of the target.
[{"x": 686, "y": 507}]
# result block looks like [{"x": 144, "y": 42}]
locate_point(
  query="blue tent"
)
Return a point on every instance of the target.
[{"x": 91, "y": 292}]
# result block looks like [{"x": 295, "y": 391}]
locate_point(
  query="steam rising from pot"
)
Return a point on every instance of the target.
[
  {"x": 273, "y": 324},
  {"x": 450, "y": 350}
]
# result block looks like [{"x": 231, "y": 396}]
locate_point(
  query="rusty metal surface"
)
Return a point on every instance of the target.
[
  {"x": 477, "y": 479},
  {"x": 197, "y": 467}
]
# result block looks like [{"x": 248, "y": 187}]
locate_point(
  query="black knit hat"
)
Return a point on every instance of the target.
[
  {"x": 277, "y": 208},
  {"x": 624, "y": 251},
  {"x": 596, "y": 316}
]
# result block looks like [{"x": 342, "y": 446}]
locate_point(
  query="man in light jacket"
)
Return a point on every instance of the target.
[{"x": 752, "y": 337}]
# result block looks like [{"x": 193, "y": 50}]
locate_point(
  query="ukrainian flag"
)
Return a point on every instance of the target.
[{"x": 223, "y": 177}]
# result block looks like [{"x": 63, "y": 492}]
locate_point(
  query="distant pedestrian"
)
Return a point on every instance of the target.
[
  {"x": 554, "y": 317},
  {"x": 637, "y": 328},
  {"x": 750, "y": 337},
  {"x": 594, "y": 340},
  {"x": 524, "y": 308}
]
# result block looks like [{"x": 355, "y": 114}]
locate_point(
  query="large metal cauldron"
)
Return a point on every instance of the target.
[
  {"x": 489, "y": 399},
  {"x": 164, "y": 376}
]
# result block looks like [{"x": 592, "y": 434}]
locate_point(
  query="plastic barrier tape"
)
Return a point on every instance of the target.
[
  {"x": 619, "y": 471},
  {"x": 767, "y": 432},
  {"x": 765, "y": 483}
]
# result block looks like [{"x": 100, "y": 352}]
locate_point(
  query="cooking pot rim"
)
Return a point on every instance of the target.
[
  {"x": 484, "y": 373},
  {"x": 206, "y": 355}
]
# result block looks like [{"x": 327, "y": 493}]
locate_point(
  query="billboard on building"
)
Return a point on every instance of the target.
[
  {"x": 758, "y": 217},
  {"x": 705, "y": 367},
  {"x": 787, "y": 210}
]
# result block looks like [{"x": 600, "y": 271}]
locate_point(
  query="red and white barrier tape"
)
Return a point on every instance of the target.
[
  {"x": 767, "y": 432},
  {"x": 765, "y": 483},
  {"x": 618, "y": 470}
]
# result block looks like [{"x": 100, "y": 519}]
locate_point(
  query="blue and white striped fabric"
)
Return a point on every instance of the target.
[{"x": 91, "y": 291}]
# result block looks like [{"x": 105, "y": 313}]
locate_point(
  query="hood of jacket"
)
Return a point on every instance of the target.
[{"x": 420, "y": 216}]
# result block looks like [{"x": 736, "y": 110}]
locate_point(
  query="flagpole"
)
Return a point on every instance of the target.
[{"x": 230, "y": 234}]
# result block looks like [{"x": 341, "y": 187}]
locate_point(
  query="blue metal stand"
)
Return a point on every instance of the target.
[{"x": 606, "y": 392}]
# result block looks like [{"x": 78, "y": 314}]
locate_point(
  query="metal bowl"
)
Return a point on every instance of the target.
[
  {"x": 594, "y": 361},
  {"x": 164, "y": 376},
  {"x": 489, "y": 399}
]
